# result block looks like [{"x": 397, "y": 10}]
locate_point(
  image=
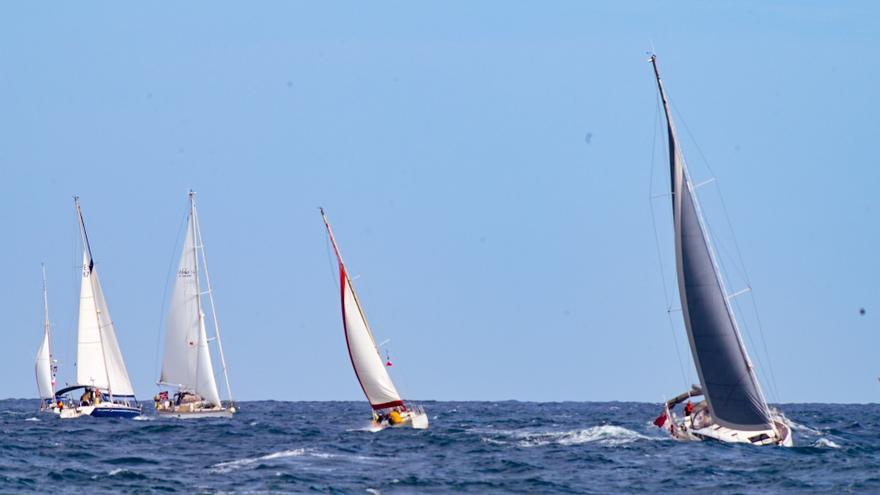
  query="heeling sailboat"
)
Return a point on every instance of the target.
[
  {"x": 369, "y": 367},
  {"x": 187, "y": 362},
  {"x": 100, "y": 369},
  {"x": 734, "y": 408},
  {"x": 44, "y": 365}
]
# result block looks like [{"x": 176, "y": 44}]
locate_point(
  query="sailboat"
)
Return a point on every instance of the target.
[
  {"x": 187, "y": 363},
  {"x": 733, "y": 408},
  {"x": 44, "y": 365},
  {"x": 100, "y": 370},
  {"x": 369, "y": 367}
]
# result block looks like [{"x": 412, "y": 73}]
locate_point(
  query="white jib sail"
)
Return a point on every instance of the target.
[
  {"x": 368, "y": 364},
  {"x": 187, "y": 359},
  {"x": 44, "y": 369},
  {"x": 98, "y": 358}
]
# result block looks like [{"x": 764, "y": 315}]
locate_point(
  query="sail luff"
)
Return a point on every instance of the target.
[{"x": 726, "y": 373}]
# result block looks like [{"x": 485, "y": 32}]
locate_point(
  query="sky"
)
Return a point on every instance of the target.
[{"x": 493, "y": 171}]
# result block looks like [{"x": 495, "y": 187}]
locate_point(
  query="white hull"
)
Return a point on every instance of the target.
[
  {"x": 103, "y": 410},
  {"x": 416, "y": 419},
  {"x": 184, "y": 412},
  {"x": 699, "y": 427}
]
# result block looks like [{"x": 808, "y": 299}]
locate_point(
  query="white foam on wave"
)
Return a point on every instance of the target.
[
  {"x": 797, "y": 426},
  {"x": 823, "y": 442},
  {"x": 608, "y": 435},
  {"x": 370, "y": 428},
  {"x": 144, "y": 418},
  {"x": 225, "y": 467},
  {"x": 32, "y": 419}
]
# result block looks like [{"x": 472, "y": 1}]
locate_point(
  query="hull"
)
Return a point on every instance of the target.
[
  {"x": 196, "y": 413},
  {"x": 416, "y": 419},
  {"x": 106, "y": 410},
  {"x": 699, "y": 427}
]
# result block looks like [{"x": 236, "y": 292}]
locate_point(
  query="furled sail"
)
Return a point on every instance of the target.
[
  {"x": 365, "y": 358},
  {"x": 728, "y": 380},
  {"x": 98, "y": 358},
  {"x": 187, "y": 359}
]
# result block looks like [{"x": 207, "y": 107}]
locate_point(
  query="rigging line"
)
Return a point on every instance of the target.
[
  {"x": 156, "y": 365},
  {"x": 327, "y": 249},
  {"x": 738, "y": 251},
  {"x": 684, "y": 376}
]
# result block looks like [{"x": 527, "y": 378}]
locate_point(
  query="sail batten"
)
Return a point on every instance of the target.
[{"x": 726, "y": 375}]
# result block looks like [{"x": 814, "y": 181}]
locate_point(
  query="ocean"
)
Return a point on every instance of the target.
[{"x": 471, "y": 447}]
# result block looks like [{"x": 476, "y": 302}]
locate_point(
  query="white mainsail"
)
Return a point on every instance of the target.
[
  {"x": 99, "y": 361},
  {"x": 365, "y": 358},
  {"x": 187, "y": 359},
  {"x": 44, "y": 365}
]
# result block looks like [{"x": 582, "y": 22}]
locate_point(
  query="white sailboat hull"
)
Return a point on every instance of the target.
[
  {"x": 416, "y": 419},
  {"x": 194, "y": 411},
  {"x": 103, "y": 410},
  {"x": 699, "y": 427}
]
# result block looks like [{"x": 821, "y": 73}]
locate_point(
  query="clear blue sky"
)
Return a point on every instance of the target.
[{"x": 506, "y": 255}]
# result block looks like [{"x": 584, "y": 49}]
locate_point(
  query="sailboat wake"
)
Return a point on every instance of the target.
[{"x": 606, "y": 435}]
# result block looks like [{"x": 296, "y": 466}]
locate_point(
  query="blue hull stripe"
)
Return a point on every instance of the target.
[{"x": 114, "y": 412}]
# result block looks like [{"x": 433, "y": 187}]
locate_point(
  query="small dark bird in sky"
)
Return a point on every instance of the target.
[
  {"x": 862, "y": 311},
  {"x": 588, "y": 137}
]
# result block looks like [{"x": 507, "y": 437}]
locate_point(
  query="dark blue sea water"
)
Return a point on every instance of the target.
[{"x": 476, "y": 447}]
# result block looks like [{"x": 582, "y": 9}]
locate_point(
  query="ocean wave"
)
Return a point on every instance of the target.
[
  {"x": 225, "y": 467},
  {"x": 607, "y": 435},
  {"x": 823, "y": 442},
  {"x": 144, "y": 418},
  {"x": 32, "y": 419}
]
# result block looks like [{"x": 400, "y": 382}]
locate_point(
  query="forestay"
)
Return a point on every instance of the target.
[
  {"x": 728, "y": 380},
  {"x": 187, "y": 359}
]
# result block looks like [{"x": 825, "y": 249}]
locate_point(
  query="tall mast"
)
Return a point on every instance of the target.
[
  {"x": 199, "y": 244},
  {"x": 685, "y": 179},
  {"x": 345, "y": 271},
  {"x": 88, "y": 250},
  {"x": 46, "y": 308},
  {"x": 195, "y": 255},
  {"x": 332, "y": 238},
  {"x": 46, "y": 328}
]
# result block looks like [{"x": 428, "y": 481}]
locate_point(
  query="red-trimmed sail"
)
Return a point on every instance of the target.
[{"x": 369, "y": 367}]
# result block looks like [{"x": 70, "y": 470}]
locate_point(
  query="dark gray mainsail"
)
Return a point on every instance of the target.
[{"x": 728, "y": 380}]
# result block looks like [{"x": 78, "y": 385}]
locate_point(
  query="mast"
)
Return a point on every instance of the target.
[
  {"x": 195, "y": 255},
  {"x": 46, "y": 339},
  {"x": 708, "y": 323},
  {"x": 197, "y": 240},
  {"x": 46, "y": 327}
]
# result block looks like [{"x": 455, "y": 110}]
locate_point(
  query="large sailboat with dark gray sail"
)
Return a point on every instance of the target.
[{"x": 729, "y": 405}]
